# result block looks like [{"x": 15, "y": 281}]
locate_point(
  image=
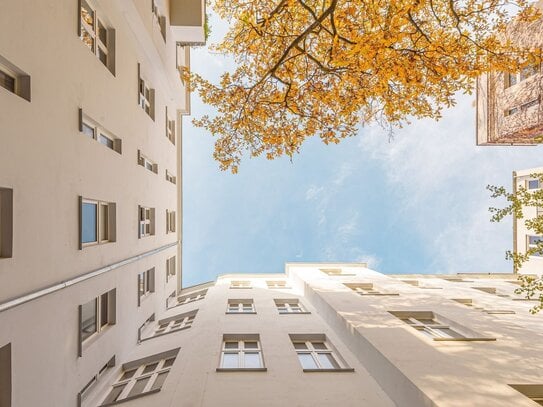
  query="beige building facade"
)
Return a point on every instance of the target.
[
  {"x": 523, "y": 237},
  {"x": 508, "y": 105},
  {"x": 91, "y": 103}
]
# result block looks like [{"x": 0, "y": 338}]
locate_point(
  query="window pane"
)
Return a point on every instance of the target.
[
  {"x": 533, "y": 184},
  {"x": 159, "y": 381},
  {"x": 102, "y": 56},
  {"x": 327, "y": 361},
  {"x": 102, "y": 33},
  {"x": 87, "y": 14},
  {"x": 534, "y": 239},
  {"x": 307, "y": 361},
  {"x": 114, "y": 394},
  {"x": 88, "y": 319},
  {"x": 88, "y": 130},
  {"x": 139, "y": 386},
  {"x": 168, "y": 362},
  {"x": 252, "y": 360},
  {"x": 103, "y": 309},
  {"x": 300, "y": 345},
  {"x": 150, "y": 367},
  {"x": 106, "y": 141},
  {"x": 230, "y": 360},
  {"x": 88, "y": 222},
  {"x": 87, "y": 38},
  {"x": 230, "y": 345},
  {"x": 319, "y": 345},
  {"x": 7, "y": 81},
  {"x": 251, "y": 345},
  {"x": 128, "y": 374}
]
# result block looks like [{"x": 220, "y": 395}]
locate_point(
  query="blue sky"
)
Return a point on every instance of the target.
[{"x": 414, "y": 204}]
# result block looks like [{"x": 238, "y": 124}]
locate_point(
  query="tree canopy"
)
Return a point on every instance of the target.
[
  {"x": 323, "y": 68},
  {"x": 521, "y": 198}
]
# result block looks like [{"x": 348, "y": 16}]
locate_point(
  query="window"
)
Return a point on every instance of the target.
[
  {"x": 316, "y": 354},
  {"x": 528, "y": 71},
  {"x": 241, "y": 307},
  {"x": 367, "y": 289},
  {"x": 94, "y": 380},
  {"x": 146, "y": 221},
  {"x": 143, "y": 376},
  {"x": 512, "y": 111},
  {"x": 171, "y": 301},
  {"x": 533, "y": 391},
  {"x": 533, "y": 242},
  {"x": 436, "y": 327},
  {"x": 14, "y": 80},
  {"x": 533, "y": 184},
  {"x": 276, "y": 284},
  {"x": 5, "y": 375},
  {"x": 170, "y": 128},
  {"x": 290, "y": 306},
  {"x": 145, "y": 326},
  {"x": 491, "y": 290},
  {"x": 6, "y": 222},
  {"x": 182, "y": 60},
  {"x": 170, "y": 178},
  {"x": 147, "y": 163},
  {"x": 335, "y": 272},
  {"x": 170, "y": 267},
  {"x": 175, "y": 323},
  {"x": 240, "y": 284},
  {"x": 95, "y": 316},
  {"x": 530, "y": 104},
  {"x": 97, "y": 35},
  {"x": 95, "y": 131},
  {"x": 146, "y": 284},
  {"x": 170, "y": 221},
  {"x": 195, "y": 296},
  {"x": 159, "y": 19},
  {"x": 97, "y": 223},
  {"x": 146, "y": 98},
  {"x": 241, "y": 352}
]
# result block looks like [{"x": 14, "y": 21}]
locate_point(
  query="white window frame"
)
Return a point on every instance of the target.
[
  {"x": 174, "y": 324},
  {"x": 367, "y": 289},
  {"x": 171, "y": 264},
  {"x": 530, "y": 245},
  {"x": 159, "y": 19},
  {"x": 290, "y": 306},
  {"x": 325, "y": 348},
  {"x": 240, "y": 284},
  {"x": 170, "y": 221},
  {"x": 110, "y": 222},
  {"x": 100, "y": 325},
  {"x": 191, "y": 297},
  {"x": 147, "y": 163},
  {"x": 170, "y": 178},
  {"x": 146, "y": 221},
  {"x": 146, "y": 95},
  {"x": 531, "y": 180},
  {"x": 83, "y": 394},
  {"x": 272, "y": 284},
  {"x": 433, "y": 329},
  {"x": 164, "y": 363},
  {"x": 240, "y": 306},
  {"x": 98, "y": 131},
  {"x": 92, "y": 30},
  {"x": 146, "y": 284},
  {"x": 241, "y": 350}
]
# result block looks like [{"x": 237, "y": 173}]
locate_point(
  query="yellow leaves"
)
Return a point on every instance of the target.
[{"x": 323, "y": 68}]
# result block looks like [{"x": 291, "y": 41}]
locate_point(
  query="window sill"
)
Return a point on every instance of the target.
[
  {"x": 241, "y": 288},
  {"x": 463, "y": 339},
  {"x": 164, "y": 333},
  {"x": 279, "y": 288},
  {"x": 377, "y": 294},
  {"x": 240, "y": 313},
  {"x": 344, "y": 370},
  {"x": 137, "y": 396},
  {"x": 242, "y": 369},
  {"x": 295, "y": 313}
]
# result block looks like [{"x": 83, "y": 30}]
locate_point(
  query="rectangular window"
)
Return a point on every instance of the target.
[
  {"x": 246, "y": 306},
  {"x": 146, "y": 221},
  {"x": 97, "y": 223},
  {"x": 530, "y": 104},
  {"x": 147, "y": 163},
  {"x": 511, "y": 111},
  {"x": 170, "y": 267},
  {"x": 96, "y": 315},
  {"x": 143, "y": 376},
  {"x": 98, "y": 36},
  {"x": 316, "y": 354},
  {"x": 528, "y": 71},
  {"x": 175, "y": 323},
  {"x": 146, "y": 96},
  {"x": 5, "y": 375},
  {"x": 367, "y": 289},
  {"x": 195, "y": 296},
  {"x": 533, "y": 184},
  {"x": 276, "y": 284},
  {"x": 159, "y": 19},
  {"x": 145, "y": 327},
  {"x": 6, "y": 222},
  {"x": 170, "y": 178},
  {"x": 170, "y": 221},
  {"x": 171, "y": 301},
  {"x": 241, "y": 352},
  {"x": 14, "y": 80},
  {"x": 146, "y": 284},
  {"x": 290, "y": 306},
  {"x": 335, "y": 272},
  {"x": 170, "y": 128},
  {"x": 533, "y": 242},
  {"x": 82, "y": 395},
  {"x": 240, "y": 284}
]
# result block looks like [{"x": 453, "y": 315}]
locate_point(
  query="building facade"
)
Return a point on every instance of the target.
[
  {"x": 91, "y": 103},
  {"x": 523, "y": 237},
  {"x": 508, "y": 105}
]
